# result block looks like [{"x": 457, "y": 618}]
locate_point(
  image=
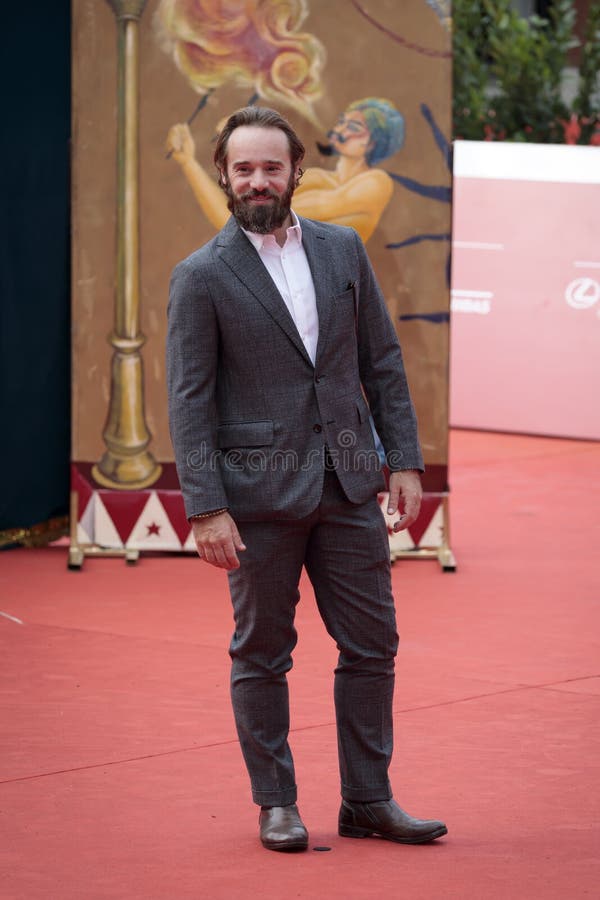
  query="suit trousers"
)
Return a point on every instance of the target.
[{"x": 345, "y": 550}]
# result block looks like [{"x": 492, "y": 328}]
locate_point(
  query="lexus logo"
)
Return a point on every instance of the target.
[{"x": 582, "y": 293}]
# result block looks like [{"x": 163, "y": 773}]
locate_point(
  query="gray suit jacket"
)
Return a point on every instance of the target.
[{"x": 249, "y": 413}]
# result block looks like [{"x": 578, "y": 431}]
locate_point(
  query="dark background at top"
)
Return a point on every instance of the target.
[{"x": 34, "y": 263}]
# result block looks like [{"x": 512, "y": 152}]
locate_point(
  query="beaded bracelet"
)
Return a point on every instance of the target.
[{"x": 208, "y": 515}]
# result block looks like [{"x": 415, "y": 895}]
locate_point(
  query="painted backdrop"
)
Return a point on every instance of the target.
[{"x": 366, "y": 83}]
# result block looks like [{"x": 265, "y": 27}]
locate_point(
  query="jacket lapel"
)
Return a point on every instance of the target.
[
  {"x": 315, "y": 244},
  {"x": 240, "y": 256}
]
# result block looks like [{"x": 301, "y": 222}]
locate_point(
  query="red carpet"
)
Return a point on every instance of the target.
[{"x": 120, "y": 774}]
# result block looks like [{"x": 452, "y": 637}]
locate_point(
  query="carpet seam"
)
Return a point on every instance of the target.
[{"x": 118, "y": 762}]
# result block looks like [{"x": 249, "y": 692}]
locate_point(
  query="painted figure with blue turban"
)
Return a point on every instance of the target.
[{"x": 381, "y": 120}]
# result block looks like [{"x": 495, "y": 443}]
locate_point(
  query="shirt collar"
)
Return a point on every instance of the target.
[{"x": 267, "y": 241}]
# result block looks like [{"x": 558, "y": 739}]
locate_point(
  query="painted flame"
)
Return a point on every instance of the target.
[{"x": 253, "y": 44}]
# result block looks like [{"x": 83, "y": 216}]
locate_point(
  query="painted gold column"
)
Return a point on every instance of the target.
[{"x": 127, "y": 463}]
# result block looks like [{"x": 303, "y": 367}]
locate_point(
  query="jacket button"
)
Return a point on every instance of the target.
[
  {"x": 317, "y": 429},
  {"x": 317, "y": 378}
]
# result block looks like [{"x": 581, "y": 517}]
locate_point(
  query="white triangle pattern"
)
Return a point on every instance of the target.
[
  {"x": 82, "y": 535},
  {"x": 190, "y": 544},
  {"x": 96, "y": 526},
  {"x": 401, "y": 540},
  {"x": 434, "y": 532},
  {"x": 105, "y": 533},
  {"x": 153, "y": 518},
  {"x": 86, "y": 522}
]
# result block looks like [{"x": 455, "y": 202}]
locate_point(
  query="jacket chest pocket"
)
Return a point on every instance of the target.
[{"x": 344, "y": 310}]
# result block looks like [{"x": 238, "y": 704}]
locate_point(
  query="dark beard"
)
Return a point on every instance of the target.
[{"x": 261, "y": 219}]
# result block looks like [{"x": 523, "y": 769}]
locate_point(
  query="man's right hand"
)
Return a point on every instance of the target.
[{"x": 218, "y": 540}]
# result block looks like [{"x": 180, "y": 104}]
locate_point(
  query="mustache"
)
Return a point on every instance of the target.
[
  {"x": 329, "y": 149},
  {"x": 326, "y": 149},
  {"x": 259, "y": 195}
]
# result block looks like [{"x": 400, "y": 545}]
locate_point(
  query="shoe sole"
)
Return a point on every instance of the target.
[
  {"x": 286, "y": 847},
  {"x": 356, "y": 832}
]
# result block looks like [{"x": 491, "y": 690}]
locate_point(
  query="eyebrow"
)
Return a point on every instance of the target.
[{"x": 248, "y": 162}]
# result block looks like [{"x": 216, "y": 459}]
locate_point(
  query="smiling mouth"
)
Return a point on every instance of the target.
[{"x": 258, "y": 198}]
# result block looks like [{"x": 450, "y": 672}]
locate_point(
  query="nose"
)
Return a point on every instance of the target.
[{"x": 258, "y": 180}]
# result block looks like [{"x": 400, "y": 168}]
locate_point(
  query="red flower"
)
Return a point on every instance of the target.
[{"x": 572, "y": 130}]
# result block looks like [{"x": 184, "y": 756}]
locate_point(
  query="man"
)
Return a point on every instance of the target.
[{"x": 277, "y": 333}]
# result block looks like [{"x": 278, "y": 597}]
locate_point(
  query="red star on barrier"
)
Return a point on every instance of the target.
[{"x": 153, "y": 529}]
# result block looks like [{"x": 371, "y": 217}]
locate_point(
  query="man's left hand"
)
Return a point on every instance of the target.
[{"x": 405, "y": 494}]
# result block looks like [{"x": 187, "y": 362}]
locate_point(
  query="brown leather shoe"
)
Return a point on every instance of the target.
[
  {"x": 281, "y": 828},
  {"x": 386, "y": 819}
]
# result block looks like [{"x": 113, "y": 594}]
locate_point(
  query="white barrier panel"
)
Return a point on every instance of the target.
[{"x": 525, "y": 352}]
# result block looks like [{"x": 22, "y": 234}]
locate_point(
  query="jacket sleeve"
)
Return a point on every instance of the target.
[
  {"x": 192, "y": 359},
  {"x": 382, "y": 373}
]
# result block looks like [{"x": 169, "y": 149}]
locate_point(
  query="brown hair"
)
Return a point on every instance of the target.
[{"x": 263, "y": 117}]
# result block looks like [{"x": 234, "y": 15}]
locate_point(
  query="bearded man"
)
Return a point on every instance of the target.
[{"x": 279, "y": 350}]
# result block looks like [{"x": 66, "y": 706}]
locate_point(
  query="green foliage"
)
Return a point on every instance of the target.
[
  {"x": 470, "y": 45},
  {"x": 587, "y": 102},
  {"x": 508, "y": 73}
]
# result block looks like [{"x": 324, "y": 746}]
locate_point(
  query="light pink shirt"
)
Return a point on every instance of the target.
[{"x": 289, "y": 269}]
